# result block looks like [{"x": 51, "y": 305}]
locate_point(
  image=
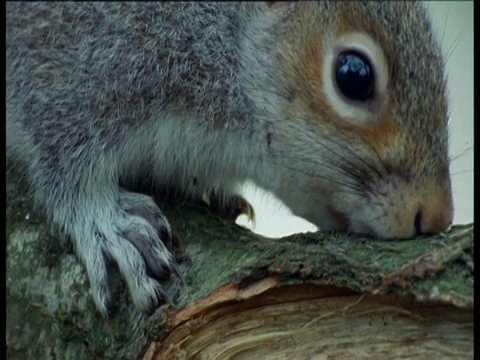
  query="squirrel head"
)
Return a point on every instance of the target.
[{"x": 364, "y": 136}]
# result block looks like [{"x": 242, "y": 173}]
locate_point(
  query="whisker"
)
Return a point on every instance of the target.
[
  {"x": 350, "y": 185},
  {"x": 361, "y": 178},
  {"x": 461, "y": 172},
  {"x": 334, "y": 166},
  {"x": 456, "y": 157},
  {"x": 375, "y": 218},
  {"x": 449, "y": 52},
  {"x": 353, "y": 168},
  {"x": 362, "y": 159},
  {"x": 445, "y": 26},
  {"x": 361, "y": 174}
]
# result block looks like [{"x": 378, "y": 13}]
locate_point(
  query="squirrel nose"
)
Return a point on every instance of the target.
[{"x": 432, "y": 221}]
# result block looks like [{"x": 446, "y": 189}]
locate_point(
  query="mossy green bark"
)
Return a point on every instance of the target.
[{"x": 50, "y": 313}]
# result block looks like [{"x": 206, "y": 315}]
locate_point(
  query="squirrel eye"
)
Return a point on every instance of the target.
[{"x": 354, "y": 76}]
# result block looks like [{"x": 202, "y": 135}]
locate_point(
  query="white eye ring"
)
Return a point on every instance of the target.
[{"x": 350, "y": 110}]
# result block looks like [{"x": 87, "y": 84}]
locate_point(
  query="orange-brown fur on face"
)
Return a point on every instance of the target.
[
  {"x": 402, "y": 153},
  {"x": 309, "y": 92}
]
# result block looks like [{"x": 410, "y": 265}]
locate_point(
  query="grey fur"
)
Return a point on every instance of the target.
[{"x": 99, "y": 92}]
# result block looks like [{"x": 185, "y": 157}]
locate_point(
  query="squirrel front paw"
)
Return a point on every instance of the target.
[
  {"x": 229, "y": 206},
  {"x": 137, "y": 237}
]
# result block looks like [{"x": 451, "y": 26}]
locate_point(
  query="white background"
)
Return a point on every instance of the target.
[{"x": 453, "y": 23}]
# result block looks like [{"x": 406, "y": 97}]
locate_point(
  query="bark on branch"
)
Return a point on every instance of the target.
[{"x": 245, "y": 295}]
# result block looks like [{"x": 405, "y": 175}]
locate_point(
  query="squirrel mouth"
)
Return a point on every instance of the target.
[
  {"x": 342, "y": 223},
  {"x": 340, "y": 220}
]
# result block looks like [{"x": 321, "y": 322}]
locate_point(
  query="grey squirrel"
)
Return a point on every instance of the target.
[{"x": 337, "y": 108}]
